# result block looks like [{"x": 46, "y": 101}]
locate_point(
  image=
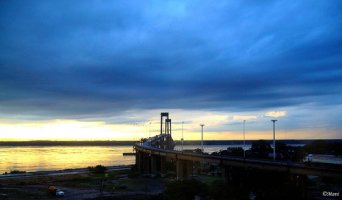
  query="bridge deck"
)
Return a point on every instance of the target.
[{"x": 289, "y": 167}]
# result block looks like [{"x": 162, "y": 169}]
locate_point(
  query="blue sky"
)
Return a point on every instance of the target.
[{"x": 116, "y": 61}]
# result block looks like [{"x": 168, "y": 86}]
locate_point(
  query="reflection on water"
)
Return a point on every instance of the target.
[
  {"x": 38, "y": 158},
  {"x": 62, "y": 157}
]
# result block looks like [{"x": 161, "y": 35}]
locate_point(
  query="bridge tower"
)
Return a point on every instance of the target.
[
  {"x": 167, "y": 141},
  {"x": 162, "y": 115}
]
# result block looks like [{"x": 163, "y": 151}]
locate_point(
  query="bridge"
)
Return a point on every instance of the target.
[{"x": 153, "y": 153}]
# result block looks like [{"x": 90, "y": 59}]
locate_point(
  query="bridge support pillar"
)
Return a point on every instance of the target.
[
  {"x": 179, "y": 169},
  {"x": 146, "y": 162},
  {"x": 162, "y": 166},
  {"x": 154, "y": 163},
  {"x": 150, "y": 164},
  {"x": 184, "y": 169},
  {"x": 189, "y": 169},
  {"x": 139, "y": 161}
]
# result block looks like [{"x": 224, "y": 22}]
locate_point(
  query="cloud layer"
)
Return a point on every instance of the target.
[{"x": 95, "y": 59}]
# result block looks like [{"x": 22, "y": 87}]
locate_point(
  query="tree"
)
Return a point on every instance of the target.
[
  {"x": 282, "y": 150},
  {"x": 324, "y": 147},
  {"x": 261, "y": 149},
  {"x": 231, "y": 151}
]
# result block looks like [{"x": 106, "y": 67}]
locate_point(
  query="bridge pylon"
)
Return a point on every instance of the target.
[{"x": 166, "y": 141}]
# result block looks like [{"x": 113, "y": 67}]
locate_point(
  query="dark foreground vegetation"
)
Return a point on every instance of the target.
[
  {"x": 259, "y": 186},
  {"x": 15, "y": 172},
  {"x": 207, "y": 183},
  {"x": 99, "y": 183},
  {"x": 244, "y": 184},
  {"x": 98, "y": 169}
]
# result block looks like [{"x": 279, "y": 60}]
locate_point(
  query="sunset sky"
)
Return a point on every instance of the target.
[{"x": 104, "y": 70}]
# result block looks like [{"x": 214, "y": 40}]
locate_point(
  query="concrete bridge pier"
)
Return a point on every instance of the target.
[
  {"x": 138, "y": 161},
  {"x": 143, "y": 162},
  {"x": 150, "y": 164},
  {"x": 184, "y": 169},
  {"x": 146, "y": 163},
  {"x": 179, "y": 169},
  {"x": 154, "y": 164},
  {"x": 162, "y": 162}
]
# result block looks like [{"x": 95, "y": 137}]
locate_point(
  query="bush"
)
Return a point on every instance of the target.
[
  {"x": 231, "y": 151},
  {"x": 220, "y": 190},
  {"x": 15, "y": 172},
  {"x": 98, "y": 169},
  {"x": 183, "y": 190}
]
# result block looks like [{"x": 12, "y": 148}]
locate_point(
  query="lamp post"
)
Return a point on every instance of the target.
[
  {"x": 274, "y": 145},
  {"x": 202, "y": 138},
  {"x": 244, "y": 140},
  {"x": 182, "y": 136},
  {"x": 149, "y": 129}
]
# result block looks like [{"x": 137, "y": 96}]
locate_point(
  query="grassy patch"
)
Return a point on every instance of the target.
[{"x": 208, "y": 179}]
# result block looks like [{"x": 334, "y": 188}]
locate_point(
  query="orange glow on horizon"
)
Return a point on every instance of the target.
[{"x": 60, "y": 130}]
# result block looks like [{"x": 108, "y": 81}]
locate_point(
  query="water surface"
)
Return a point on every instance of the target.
[
  {"x": 44, "y": 158},
  {"x": 39, "y": 158}
]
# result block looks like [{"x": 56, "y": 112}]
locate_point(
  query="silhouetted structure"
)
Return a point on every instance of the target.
[{"x": 152, "y": 155}]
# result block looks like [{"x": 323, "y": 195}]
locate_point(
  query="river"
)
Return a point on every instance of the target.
[{"x": 42, "y": 158}]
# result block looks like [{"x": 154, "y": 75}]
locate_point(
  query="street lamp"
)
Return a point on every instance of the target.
[
  {"x": 182, "y": 136},
  {"x": 244, "y": 140},
  {"x": 274, "y": 145},
  {"x": 202, "y": 138},
  {"x": 149, "y": 129}
]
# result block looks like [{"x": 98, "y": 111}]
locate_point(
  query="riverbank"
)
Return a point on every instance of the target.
[
  {"x": 122, "y": 182},
  {"x": 118, "y": 181},
  {"x": 60, "y": 172}
]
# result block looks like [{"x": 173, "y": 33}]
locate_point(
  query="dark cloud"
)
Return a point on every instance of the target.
[{"x": 98, "y": 58}]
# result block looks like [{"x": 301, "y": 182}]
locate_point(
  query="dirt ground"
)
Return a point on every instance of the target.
[{"x": 117, "y": 184}]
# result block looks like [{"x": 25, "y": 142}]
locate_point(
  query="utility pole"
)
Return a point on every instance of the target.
[
  {"x": 202, "y": 138},
  {"x": 274, "y": 145},
  {"x": 244, "y": 140}
]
